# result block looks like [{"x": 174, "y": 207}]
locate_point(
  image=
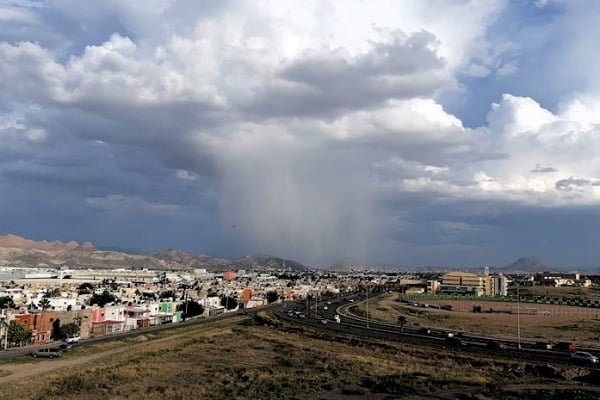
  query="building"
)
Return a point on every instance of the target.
[
  {"x": 500, "y": 285},
  {"x": 467, "y": 283}
]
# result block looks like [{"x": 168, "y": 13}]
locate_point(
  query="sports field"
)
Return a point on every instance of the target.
[{"x": 537, "y": 321}]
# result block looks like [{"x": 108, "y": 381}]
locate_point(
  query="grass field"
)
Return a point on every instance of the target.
[
  {"x": 251, "y": 358},
  {"x": 537, "y": 322},
  {"x": 564, "y": 292}
]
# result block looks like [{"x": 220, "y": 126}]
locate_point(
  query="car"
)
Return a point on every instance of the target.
[
  {"x": 584, "y": 357},
  {"x": 543, "y": 345},
  {"x": 494, "y": 344},
  {"x": 565, "y": 346},
  {"x": 453, "y": 341},
  {"x": 301, "y": 316},
  {"x": 47, "y": 353},
  {"x": 66, "y": 346},
  {"x": 72, "y": 339},
  {"x": 323, "y": 321}
]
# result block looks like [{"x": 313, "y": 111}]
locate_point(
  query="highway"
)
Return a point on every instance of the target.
[{"x": 322, "y": 315}]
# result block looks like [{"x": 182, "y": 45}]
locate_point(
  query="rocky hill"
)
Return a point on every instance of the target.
[
  {"x": 526, "y": 264},
  {"x": 16, "y": 242},
  {"x": 18, "y": 251}
]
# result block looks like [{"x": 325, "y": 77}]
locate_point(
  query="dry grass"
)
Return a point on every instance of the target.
[
  {"x": 547, "y": 322},
  {"x": 245, "y": 360}
]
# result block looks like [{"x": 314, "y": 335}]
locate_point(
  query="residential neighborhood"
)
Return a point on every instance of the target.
[{"x": 41, "y": 306}]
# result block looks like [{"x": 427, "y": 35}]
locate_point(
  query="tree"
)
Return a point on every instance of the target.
[
  {"x": 191, "y": 309},
  {"x": 167, "y": 294},
  {"x": 102, "y": 299},
  {"x": 19, "y": 333},
  {"x": 402, "y": 322},
  {"x": 85, "y": 288},
  {"x": 6, "y": 302},
  {"x": 56, "y": 333},
  {"x": 272, "y": 296},
  {"x": 70, "y": 329},
  {"x": 44, "y": 303},
  {"x": 229, "y": 302}
]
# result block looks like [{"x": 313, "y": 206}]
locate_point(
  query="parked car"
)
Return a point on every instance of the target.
[
  {"x": 494, "y": 344},
  {"x": 453, "y": 341},
  {"x": 47, "y": 353},
  {"x": 72, "y": 339},
  {"x": 584, "y": 357}
]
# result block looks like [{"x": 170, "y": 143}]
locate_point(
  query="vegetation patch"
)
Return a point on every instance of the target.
[{"x": 237, "y": 360}]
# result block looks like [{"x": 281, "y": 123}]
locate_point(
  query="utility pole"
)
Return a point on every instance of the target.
[
  {"x": 518, "y": 317},
  {"x": 368, "y": 305}
]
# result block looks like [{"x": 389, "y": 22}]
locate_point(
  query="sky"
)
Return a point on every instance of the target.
[{"x": 416, "y": 133}]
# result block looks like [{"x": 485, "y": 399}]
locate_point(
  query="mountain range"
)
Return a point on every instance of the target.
[{"x": 22, "y": 252}]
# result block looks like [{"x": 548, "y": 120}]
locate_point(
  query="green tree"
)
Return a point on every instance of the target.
[
  {"x": 6, "y": 302},
  {"x": 85, "y": 288},
  {"x": 167, "y": 294},
  {"x": 191, "y": 309},
  {"x": 272, "y": 296},
  {"x": 19, "y": 333},
  {"x": 102, "y": 299},
  {"x": 56, "y": 333},
  {"x": 70, "y": 329},
  {"x": 401, "y": 322},
  {"x": 229, "y": 302}
]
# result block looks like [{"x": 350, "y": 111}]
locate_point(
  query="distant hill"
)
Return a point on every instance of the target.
[
  {"x": 17, "y": 242},
  {"x": 264, "y": 261},
  {"x": 18, "y": 251},
  {"x": 528, "y": 264}
]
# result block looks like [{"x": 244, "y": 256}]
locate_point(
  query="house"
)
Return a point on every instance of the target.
[{"x": 136, "y": 318}]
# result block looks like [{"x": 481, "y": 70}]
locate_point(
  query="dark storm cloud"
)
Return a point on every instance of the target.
[
  {"x": 543, "y": 170},
  {"x": 574, "y": 184},
  {"x": 324, "y": 82}
]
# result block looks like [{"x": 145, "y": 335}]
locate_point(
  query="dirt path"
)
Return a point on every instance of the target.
[{"x": 22, "y": 371}]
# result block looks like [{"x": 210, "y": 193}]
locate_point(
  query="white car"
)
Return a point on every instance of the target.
[
  {"x": 72, "y": 339},
  {"x": 584, "y": 357}
]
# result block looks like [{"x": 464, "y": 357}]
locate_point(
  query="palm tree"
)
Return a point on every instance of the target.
[{"x": 44, "y": 304}]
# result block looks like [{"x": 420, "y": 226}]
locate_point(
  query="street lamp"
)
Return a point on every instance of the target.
[
  {"x": 518, "y": 317},
  {"x": 368, "y": 305}
]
